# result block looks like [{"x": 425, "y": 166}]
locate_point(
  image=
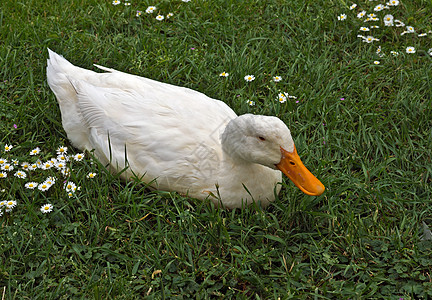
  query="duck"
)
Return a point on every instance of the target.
[{"x": 174, "y": 138}]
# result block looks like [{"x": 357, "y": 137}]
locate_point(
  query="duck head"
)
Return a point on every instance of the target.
[{"x": 266, "y": 140}]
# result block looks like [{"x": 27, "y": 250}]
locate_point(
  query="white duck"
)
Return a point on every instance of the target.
[{"x": 175, "y": 138}]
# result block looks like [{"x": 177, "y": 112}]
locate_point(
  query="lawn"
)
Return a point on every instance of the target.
[{"x": 360, "y": 113}]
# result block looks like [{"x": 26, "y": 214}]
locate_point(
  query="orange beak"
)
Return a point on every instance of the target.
[{"x": 292, "y": 166}]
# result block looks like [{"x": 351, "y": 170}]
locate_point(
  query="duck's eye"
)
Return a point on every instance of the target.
[{"x": 261, "y": 138}]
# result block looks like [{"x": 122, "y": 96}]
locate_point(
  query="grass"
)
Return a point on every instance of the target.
[{"x": 116, "y": 240}]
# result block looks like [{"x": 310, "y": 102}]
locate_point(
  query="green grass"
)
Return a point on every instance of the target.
[{"x": 116, "y": 240}]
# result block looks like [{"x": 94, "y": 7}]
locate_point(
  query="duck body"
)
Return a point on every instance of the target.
[{"x": 168, "y": 136}]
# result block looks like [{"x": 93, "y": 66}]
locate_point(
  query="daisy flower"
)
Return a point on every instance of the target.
[
  {"x": 376, "y": 62},
  {"x": 33, "y": 167},
  {"x": 138, "y": 13},
  {"x": 185, "y": 0},
  {"x": 70, "y": 186},
  {"x": 127, "y": 3},
  {"x": 353, "y": 6},
  {"x": 62, "y": 157},
  {"x": 224, "y": 74},
  {"x": 15, "y": 162},
  {"x": 7, "y": 167},
  {"x": 116, "y": 2},
  {"x": 43, "y": 186},
  {"x": 388, "y": 20},
  {"x": 249, "y": 78},
  {"x": 60, "y": 165},
  {"x": 11, "y": 204},
  {"x": 364, "y": 29},
  {"x": 25, "y": 165},
  {"x": 46, "y": 208},
  {"x": 61, "y": 150},
  {"x": 150, "y": 9},
  {"x": 46, "y": 165},
  {"x": 410, "y": 50},
  {"x": 50, "y": 180},
  {"x": 410, "y": 29},
  {"x": 20, "y": 174},
  {"x": 395, "y": 53},
  {"x": 35, "y": 151},
  {"x": 379, "y": 7},
  {"x": 2, "y": 203},
  {"x": 342, "y": 17},
  {"x": 422, "y": 34},
  {"x": 369, "y": 39},
  {"x": 282, "y": 98},
  {"x": 65, "y": 172},
  {"x": 3, "y": 174},
  {"x": 160, "y": 17},
  {"x": 393, "y": 3},
  {"x": 79, "y": 156},
  {"x": 91, "y": 175},
  {"x": 277, "y": 78},
  {"x": 3, "y": 160},
  {"x": 8, "y": 147},
  {"x": 169, "y": 15},
  {"x": 250, "y": 102},
  {"x": 31, "y": 185},
  {"x": 361, "y": 14},
  {"x": 399, "y": 23}
]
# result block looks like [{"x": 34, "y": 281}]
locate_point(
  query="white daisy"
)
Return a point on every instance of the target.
[
  {"x": 20, "y": 174},
  {"x": 250, "y": 102},
  {"x": 91, "y": 175},
  {"x": 3, "y": 174},
  {"x": 422, "y": 34},
  {"x": 35, "y": 151},
  {"x": 379, "y": 7},
  {"x": 43, "y": 186},
  {"x": 376, "y": 62},
  {"x": 282, "y": 98},
  {"x": 224, "y": 74},
  {"x": 46, "y": 208},
  {"x": 31, "y": 185},
  {"x": 249, "y": 78},
  {"x": 393, "y": 3},
  {"x": 150, "y": 9},
  {"x": 395, "y": 53},
  {"x": 25, "y": 165},
  {"x": 364, "y": 29},
  {"x": 277, "y": 78},
  {"x": 342, "y": 17},
  {"x": 353, "y": 6},
  {"x": 11, "y": 204},
  {"x": 410, "y": 50},
  {"x": 79, "y": 157},
  {"x": 116, "y": 2},
  {"x": 370, "y": 39},
  {"x": 7, "y": 167},
  {"x": 62, "y": 157},
  {"x": 3, "y": 160},
  {"x": 361, "y": 14},
  {"x": 160, "y": 17},
  {"x": 61, "y": 150},
  {"x": 70, "y": 186},
  {"x": 138, "y": 13},
  {"x": 169, "y": 15},
  {"x": 8, "y": 147}
]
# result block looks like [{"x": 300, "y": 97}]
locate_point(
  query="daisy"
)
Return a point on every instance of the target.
[
  {"x": 61, "y": 150},
  {"x": 25, "y": 165},
  {"x": 342, "y": 17},
  {"x": 11, "y": 204},
  {"x": 379, "y": 7},
  {"x": 116, "y": 2},
  {"x": 2, "y": 203},
  {"x": 33, "y": 167},
  {"x": 3, "y": 160},
  {"x": 250, "y": 102},
  {"x": 160, "y": 17},
  {"x": 370, "y": 39},
  {"x": 364, "y": 29},
  {"x": 8, "y": 147},
  {"x": 60, "y": 165},
  {"x": 353, "y": 6},
  {"x": 127, "y": 3},
  {"x": 150, "y": 9},
  {"x": 224, "y": 74},
  {"x": 3, "y": 174},
  {"x": 65, "y": 172},
  {"x": 395, "y": 53},
  {"x": 169, "y": 15},
  {"x": 422, "y": 34},
  {"x": 399, "y": 23},
  {"x": 44, "y": 186},
  {"x": 62, "y": 158},
  {"x": 410, "y": 29},
  {"x": 15, "y": 162},
  {"x": 374, "y": 26},
  {"x": 388, "y": 19},
  {"x": 31, "y": 185},
  {"x": 35, "y": 151},
  {"x": 138, "y": 13},
  {"x": 91, "y": 175},
  {"x": 292, "y": 97},
  {"x": 79, "y": 156},
  {"x": 185, "y": 0},
  {"x": 376, "y": 62},
  {"x": 70, "y": 186},
  {"x": 46, "y": 208},
  {"x": 50, "y": 180},
  {"x": 393, "y": 3},
  {"x": 249, "y": 78},
  {"x": 277, "y": 78},
  {"x": 20, "y": 174},
  {"x": 410, "y": 50},
  {"x": 46, "y": 166},
  {"x": 7, "y": 167},
  {"x": 361, "y": 14},
  {"x": 282, "y": 98}
]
